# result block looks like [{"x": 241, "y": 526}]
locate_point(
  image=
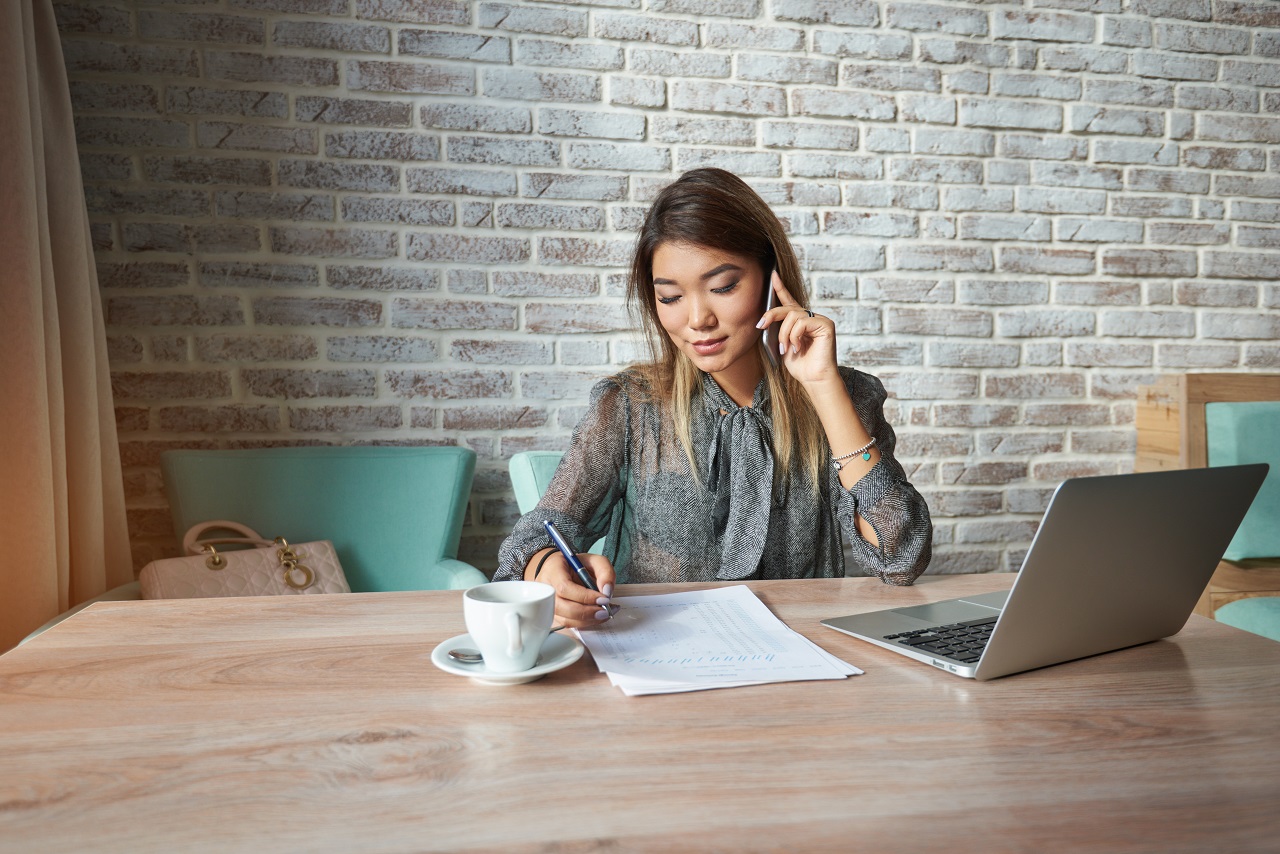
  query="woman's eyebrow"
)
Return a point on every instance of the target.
[{"x": 710, "y": 274}]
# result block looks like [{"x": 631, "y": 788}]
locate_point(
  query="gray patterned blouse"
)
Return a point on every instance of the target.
[{"x": 626, "y": 478}]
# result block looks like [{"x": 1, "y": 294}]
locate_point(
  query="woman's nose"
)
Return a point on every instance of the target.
[{"x": 700, "y": 314}]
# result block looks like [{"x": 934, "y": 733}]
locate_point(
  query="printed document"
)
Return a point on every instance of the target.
[{"x": 718, "y": 638}]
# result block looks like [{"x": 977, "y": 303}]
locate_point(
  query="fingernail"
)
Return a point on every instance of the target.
[
  {"x": 760, "y": 323},
  {"x": 607, "y": 590},
  {"x": 603, "y": 601},
  {"x": 782, "y": 349},
  {"x": 602, "y": 614}
]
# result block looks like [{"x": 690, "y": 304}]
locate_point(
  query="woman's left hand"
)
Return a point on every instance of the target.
[{"x": 807, "y": 340}]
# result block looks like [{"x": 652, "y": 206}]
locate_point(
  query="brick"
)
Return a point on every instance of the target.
[
  {"x": 219, "y": 274},
  {"x": 950, "y": 354},
  {"x": 933, "y": 18},
  {"x": 1019, "y": 259},
  {"x": 1021, "y": 444},
  {"x": 623, "y": 27},
  {"x": 521, "y": 85},
  {"x": 347, "y": 38},
  {"x": 551, "y": 217},
  {"x": 381, "y": 278},
  {"x": 861, "y": 45},
  {"x": 784, "y": 69},
  {"x": 476, "y": 117},
  {"x": 454, "y": 247},
  {"x": 1043, "y": 148},
  {"x": 1126, "y": 31},
  {"x": 1039, "y": 323},
  {"x": 1098, "y": 230},
  {"x": 114, "y": 97},
  {"x": 207, "y": 170},
  {"x": 84, "y": 56},
  {"x": 793, "y": 134},
  {"x": 1255, "y": 211},
  {"x": 1190, "y": 10},
  {"x": 1238, "y": 185},
  {"x": 1198, "y": 355},
  {"x": 1148, "y": 206},
  {"x": 109, "y": 200},
  {"x": 106, "y": 167},
  {"x": 1232, "y": 326},
  {"x": 1241, "y": 265},
  {"x": 1034, "y": 385},
  {"x": 953, "y": 52},
  {"x": 1002, "y": 292},
  {"x": 936, "y": 257},
  {"x": 1089, "y": 119},
  {"x": 353, "y": 111},
  {"x": 1066, "y": 414},
  {"x": 177, "y": 237},
  {"x": 408, "y": 211},
  {"x": 1216, "y": 39},
  {"x": 882, "y": 139},
  {"x": 316, "y": 311},
  {"x": 442, "y": 44},
  {"x": 255, "y": 348},
  {"x": 939, "y": 321},
  {"x": 1217, "y": 98},
  {"x": 993, "y": 113},
  {"x": 170, "y": 385},
  {"x": 1042, "y": 26},
  {"x": 546, "y": 185},
  {"x": 575, "y": 251},
  {"x": 1168, "y": 181},
  {"x": 709, "y": 96},
  {"x": 1012, "y": 531},
  {"x": 745, "y": 37},
  {"x": 983, "y": 473},
  {"x": 247, "y": 67},
  {"x": 1075, "y": 175},
  {"x": 840, "y": 256},
  {"x": 834, "y": 166},
  {"x": 513, "y": 417},
  {"x": 1091, "y": 354},
  {"x": 1148, "y": 262},
  {"x": 1137, "y": 93},
  {"x": 131, "y": 132},
  {"x": 523, "y": 19},
  {"x": 1217, "y": 294},
  {"x": 1219, "y": 158},
  {"x": 559, "y": 55},
  {"x": 298, "y": 384},
  {"x": 199, "y": 100},
  {"x": 974, "y": 414},
  {"x": 558, "y": 122},
  {"x": 936, "y": 170},
  {"x": 929, "y": 109},
  {"x": 1061, "y": 201},
  {"x": 568, "y": 319},
  {"x": 557, "y": 385},
  {"x": 869, "y": 224},
  {"x": 1174, "y": 67},
  {"x": 230, "y": 418},
  {"x": 1258, "y": 237},
  {"x": 143, "y": 275},
  {"x": 274, "y": 206},
  {"x": 742, "y": 163},
  {"x": 151, "y": 311},
  {"x": 883, "y": 77},
  {"x": 382, "y": 145},
  {"x": 860, "y": 105},
  {"x": 854, "y": 13},
  {"x": 515, "y": 152},
  {"x": 494, "y": 351},
  {"x": 966, "y": 502},
  {"x": 200, "y": 27},
  {"x": 409, "y": 78},
  {"x": 1187, "y": 234},
  {"x": 1036, "y": 86},
  {"x": 1251, "y": 73},
  {"x": 977, "y": 199},
  {"x": 1148, "y": 324},
  {"x": 333, "y": 242},
  {"x": 637, "y": 92},
  {"x": 1003, "y": 227},
  {"x": 1084, "y": 59},
  {"x": 473, "y": 182},
  {"x": 930, "y": 386},
  {"x": 231, "y": 135},
  {"x": 344, "y": 419},
  {"x": 412, "y": 11},
  {"x": 1135, "y": 151},
  {"x": 525, "y": 284},
  {"x": 902, "y": 290},
  {"x": 89, "y": 19},
  {"x": 630, "y": 158}
]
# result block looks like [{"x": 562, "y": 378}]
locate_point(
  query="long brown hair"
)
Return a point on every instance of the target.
[{"x": 716, "y": 209}]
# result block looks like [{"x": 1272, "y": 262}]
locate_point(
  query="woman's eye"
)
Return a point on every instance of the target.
[
  {"x": 667, "y": 300},
  {"x": 726, "y": 289}
]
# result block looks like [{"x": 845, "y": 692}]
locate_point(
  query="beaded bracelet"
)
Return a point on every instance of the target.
[
  {"x": 864, "y": 451},
  {"x": 541, "y": 561}
]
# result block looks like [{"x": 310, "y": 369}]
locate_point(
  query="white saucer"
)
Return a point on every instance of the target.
[{"x": 558, "y": 652}]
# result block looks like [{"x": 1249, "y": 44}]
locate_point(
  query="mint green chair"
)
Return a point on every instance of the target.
[
  {"x": 531, "y": 472},
  {"x": 394, "y": 514},
  {"x": 1249, "y": 432}
]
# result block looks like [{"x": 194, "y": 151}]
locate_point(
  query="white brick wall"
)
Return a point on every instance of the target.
[{"x": 403, "y": 221}]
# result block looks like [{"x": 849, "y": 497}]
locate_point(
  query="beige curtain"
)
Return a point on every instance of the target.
[{"x": 63, "y": 537}]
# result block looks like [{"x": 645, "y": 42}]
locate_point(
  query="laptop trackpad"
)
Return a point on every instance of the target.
[{"x": 951, "y": 611}]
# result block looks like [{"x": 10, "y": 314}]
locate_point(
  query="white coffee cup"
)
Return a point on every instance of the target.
[{"x": 509, "y": 621}]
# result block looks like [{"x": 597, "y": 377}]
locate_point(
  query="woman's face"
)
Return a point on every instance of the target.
[{"x": 709, "y": 301}]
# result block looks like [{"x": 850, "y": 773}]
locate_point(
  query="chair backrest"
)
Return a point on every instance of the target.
[
  {"x": 531, "y": 471},
  {"x": 394, "y": 514},
  {"x": 1249, "y": 433}
]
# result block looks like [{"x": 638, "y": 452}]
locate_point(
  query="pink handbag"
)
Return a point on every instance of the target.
[{"x": 270, "y": 568}]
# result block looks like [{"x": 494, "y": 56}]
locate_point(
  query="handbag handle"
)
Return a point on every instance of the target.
[{"x": 193, "y": 543}]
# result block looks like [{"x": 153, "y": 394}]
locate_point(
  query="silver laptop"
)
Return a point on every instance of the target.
[{"x": 1118, "y": 561}]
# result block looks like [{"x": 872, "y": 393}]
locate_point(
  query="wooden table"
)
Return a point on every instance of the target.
[{"x": 318, "y": 723}]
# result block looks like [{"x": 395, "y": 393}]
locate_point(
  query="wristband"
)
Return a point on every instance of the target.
[{"x": 541, "y": 561}]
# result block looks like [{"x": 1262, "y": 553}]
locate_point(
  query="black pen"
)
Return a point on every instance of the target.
[{"x": 584, "y": 577}]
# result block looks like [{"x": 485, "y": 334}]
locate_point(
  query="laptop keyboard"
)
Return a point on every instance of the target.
[{"x": 961, "y": 642}]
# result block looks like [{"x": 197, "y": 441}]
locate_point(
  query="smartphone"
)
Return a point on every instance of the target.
[{"x": 770, "y": 334}]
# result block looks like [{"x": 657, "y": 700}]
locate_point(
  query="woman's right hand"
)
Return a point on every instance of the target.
[{"x": 576, "y": 606}]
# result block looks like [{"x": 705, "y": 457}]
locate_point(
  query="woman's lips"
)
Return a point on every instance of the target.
[{"x": 707, "y": 348}]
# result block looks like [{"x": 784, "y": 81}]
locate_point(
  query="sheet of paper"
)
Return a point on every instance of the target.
[{"x": 716, "y": 638}]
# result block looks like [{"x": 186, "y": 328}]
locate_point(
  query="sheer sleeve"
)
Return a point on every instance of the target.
[
  {"x": 883, "y": 497},
  {"x": 587, "y": 485}
]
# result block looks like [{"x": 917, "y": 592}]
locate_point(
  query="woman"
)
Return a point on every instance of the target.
[{"x": 714, "y": 461}]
